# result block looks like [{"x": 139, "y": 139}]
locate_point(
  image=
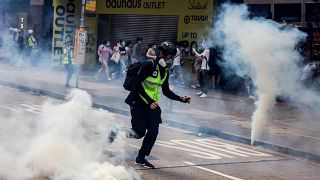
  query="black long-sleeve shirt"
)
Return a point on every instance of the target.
[{"x": 147, "y": 70}]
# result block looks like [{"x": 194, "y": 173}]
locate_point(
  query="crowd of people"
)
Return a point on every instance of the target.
[
  {"x": 114, "y": 61},
  {"x": 206, "y": 71},
  {"x": 24, "y": 44}
]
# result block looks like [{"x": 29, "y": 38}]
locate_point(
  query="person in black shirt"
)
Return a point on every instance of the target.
[{"x": 143, "y": 101}]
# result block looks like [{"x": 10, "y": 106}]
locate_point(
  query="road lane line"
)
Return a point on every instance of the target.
[
  {"x": 212, "y": 171},
  {"x": 9, "y": 108},
  {"x": 167, "y": 126},
  {"x": 32, "y": 108}
]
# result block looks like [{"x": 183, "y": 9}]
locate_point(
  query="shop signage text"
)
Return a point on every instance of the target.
[
  {"x": 135, "y": 4},
  {"x": 64, "y": 28},
  {"x": 192, "y": 35},
  {"x": 91, "y": 5},
  {"x": 196, "y": 4},
  {"x": 195, "y": 19},
  {"x": 80, "y": 46}
]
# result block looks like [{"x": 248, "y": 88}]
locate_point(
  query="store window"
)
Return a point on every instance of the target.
[
  {"x": 313, "y": 12},
  {"x": 260, "y": 10},
  {"x": 287, "y": 12}
]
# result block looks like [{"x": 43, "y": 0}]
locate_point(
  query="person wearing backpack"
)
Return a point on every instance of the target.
[
  {"x": 144, "y": 98},
  {"x": 204, "y": 69}
]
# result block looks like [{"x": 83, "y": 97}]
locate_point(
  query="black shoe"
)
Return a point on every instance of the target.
[
  {"x": 112, "y": 135},
  {"x": 144, "y": 163}
]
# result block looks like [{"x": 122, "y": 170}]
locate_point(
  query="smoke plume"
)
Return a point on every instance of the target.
[
  {"x": 67, "y": 141},
  {"x": 266, "y": 51}
]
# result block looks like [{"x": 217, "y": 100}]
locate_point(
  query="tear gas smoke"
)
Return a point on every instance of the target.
[
  {"x": 266, "y": 51},
  {"x": 67, "y": 141}
]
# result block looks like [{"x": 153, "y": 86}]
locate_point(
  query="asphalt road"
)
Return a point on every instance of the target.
[{"x": 180, "y": 154}]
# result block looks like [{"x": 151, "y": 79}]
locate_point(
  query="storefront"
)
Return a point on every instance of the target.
[
  {"x": 14, "y": 16},
  {"x": 153, "y": 20}
]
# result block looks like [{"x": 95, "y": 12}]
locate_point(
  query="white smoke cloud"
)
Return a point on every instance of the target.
[
  {"x": 266, "y": 51},
  {"x": 67, "y": 141}
]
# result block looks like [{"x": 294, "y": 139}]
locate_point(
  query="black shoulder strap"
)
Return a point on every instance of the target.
[
  {"x": 142, "y": 64},
  {"x": 206, "y": 62}
]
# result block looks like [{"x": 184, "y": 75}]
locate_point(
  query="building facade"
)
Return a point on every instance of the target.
[
  {"x": 305, "y": 14},
  {"x": 299, "y": 12},
  {"x": 36, "y": 15},
  {"x": 153, "y": 20}
]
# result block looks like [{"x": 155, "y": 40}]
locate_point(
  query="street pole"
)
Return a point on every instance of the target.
[
  {"x": 81, "y": 26},
  {"x": 82, "y": 13}
]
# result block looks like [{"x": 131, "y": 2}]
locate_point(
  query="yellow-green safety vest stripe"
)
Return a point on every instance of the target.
[
  {"x": 65, "y": 57},
  {"x": 31, "y": 42},
  {"x": 151, "y": 86}
]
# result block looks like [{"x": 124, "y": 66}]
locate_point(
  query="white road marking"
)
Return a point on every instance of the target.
[
  {"x": 134, "y": 146},
  {"x": 212, "y": 171},
  {"x": 199, "y": 154},
  {"x": 9, "y": 108},
  {"x": 32, "y": 108},
  {"x": 230, "y": 148},
  {"x": 176, "y": 129},
  {"x": 211, "y": 149},
  {"x": 213, "y": 144},
  {"x": 188, "y": 144}
]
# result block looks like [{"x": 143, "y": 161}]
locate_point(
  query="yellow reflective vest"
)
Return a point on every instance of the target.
[
  {"x": 32, "y": 42},
  {"x": 66, "y": 54},
  {"x": 152, "y": 85}
]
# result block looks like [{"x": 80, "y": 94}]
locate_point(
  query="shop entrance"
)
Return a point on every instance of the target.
[{"x": 152, "y": 28}]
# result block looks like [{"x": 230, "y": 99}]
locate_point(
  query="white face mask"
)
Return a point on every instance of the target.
[{"x": 162, "y": 62}]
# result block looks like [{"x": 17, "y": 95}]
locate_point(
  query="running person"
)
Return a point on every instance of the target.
[
  {"x": 104, "y": 52},
  {"x": 143, "y": 101}
]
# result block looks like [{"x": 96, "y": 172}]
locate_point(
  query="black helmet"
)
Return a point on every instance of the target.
[{"x": 168, "y": 48}]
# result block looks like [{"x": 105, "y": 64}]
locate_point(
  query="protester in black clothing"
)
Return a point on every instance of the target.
[
  {"x": 143, "y": 101},
  {"x": 20, "y": 40}
]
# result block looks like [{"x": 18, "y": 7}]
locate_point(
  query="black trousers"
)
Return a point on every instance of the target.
[
  {"x": 145, "y": 122},
  {"x": 69, "y": 68},
  {"x": 203, "y": 80}
]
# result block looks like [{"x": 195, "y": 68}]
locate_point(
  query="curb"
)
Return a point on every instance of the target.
[{"x": 204, "y": 130}]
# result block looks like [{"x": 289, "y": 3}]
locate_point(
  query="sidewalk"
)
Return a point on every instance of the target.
[{"x": 291, "y": 130}]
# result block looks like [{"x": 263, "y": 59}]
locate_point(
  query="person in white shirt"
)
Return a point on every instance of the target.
[
  {"x": 177, "y": 71},
  {"x": 204, "y": 69},
  {"x": 308, "y": 73}
]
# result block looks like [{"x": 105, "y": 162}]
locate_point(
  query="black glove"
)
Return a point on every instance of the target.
[{"x": 186, "y": 99}]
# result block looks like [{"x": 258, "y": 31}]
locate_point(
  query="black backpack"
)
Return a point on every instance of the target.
[{"x": 132, "y": 73}]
